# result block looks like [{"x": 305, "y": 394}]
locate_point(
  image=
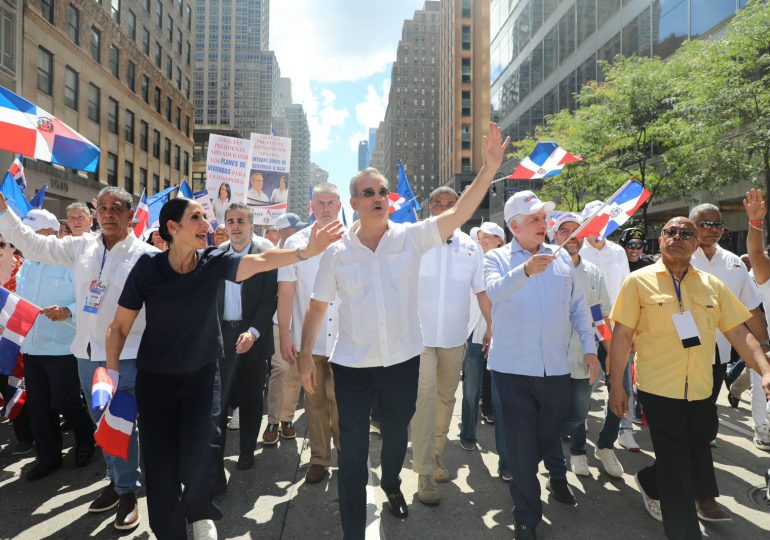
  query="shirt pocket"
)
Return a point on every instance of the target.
[
  {"x": 705, "y": 311},
  {"x": 351, "y": 274},
  {"x": 657, "y": 312},
  {"x": 461, "y": 266}
]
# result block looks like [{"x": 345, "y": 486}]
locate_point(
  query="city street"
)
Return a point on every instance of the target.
[{"x": 272, "y": 501}]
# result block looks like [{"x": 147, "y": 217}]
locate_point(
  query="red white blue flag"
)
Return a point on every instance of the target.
[
  {"x": 16, "y": 319},
  {"x": 546, "y": 160},
  {"x": 101, "y": 389},
  {"x": 113, "y": 433},
  {"x": 16, "y": 171},
  {"x": 603, "y": 332},
  {"x": 616, "y": 211},
  {"x": 29, "y": 130},
  {"x": 141, "y": 215},
  {"x": 14, "y": 397}
]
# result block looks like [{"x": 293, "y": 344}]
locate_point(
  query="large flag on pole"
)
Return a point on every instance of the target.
[
  {"x": 546, "y": 160},
  {"x": 403, "y": 203},
  {"x": 615, "y": 212},
  {"x": 27, "y": 129},
  {"x": 141, "y": 215},
  {"x": 156, "y": 202},
  {"x": 16, "y": 319},
  {"x": 13, "y": 194}
]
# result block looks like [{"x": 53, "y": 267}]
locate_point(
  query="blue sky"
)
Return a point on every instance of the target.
[{"x": 338, "y": 54}]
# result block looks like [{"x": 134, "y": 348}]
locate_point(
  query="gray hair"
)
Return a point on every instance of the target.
[
  {"x": 77, "y": 206},
  {"x": 119, "y": 193},
  {"x": 369, "y": 171},
  {"x": 238, "y": 207},
  {"x": 442, "y": 189},
  {"x": 326, "y": 187},
  {"x": 701, "y": 208}
]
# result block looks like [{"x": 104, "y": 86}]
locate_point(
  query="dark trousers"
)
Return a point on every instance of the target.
[
  {"x": 534, "y": 411},
  {"x": 486, "y": 393},
  {"x": 394, "y": 388},
  {"x": 53, "y": 388},
  {"x": 22, "y": 429},
  {"x": 719, "y": 370},
  {"x": 243, "y": 384},
  {"x": 681, "y": 431},
  {"x": 178, "y": 448}
]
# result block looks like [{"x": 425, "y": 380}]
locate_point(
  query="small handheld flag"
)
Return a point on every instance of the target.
[
  {"x": 546, "y": 160},
  {"x": 16, "y": 170},
  {"x": 14, "y": 396},
  {"x": 141, "y": 215},
  {"x": 185, "y": 191},
  {"x": 616, "y": 211},
  {"x": 13, "y": 193},
  {"x": 16, "y": 319},
  {"x": 113, "y": 433},
  {"x": 101, "y": 389},
  {"x": 37, "y": 200},
  {"x": 403, "y": 203},
  {"x": 603, "y": 332}
]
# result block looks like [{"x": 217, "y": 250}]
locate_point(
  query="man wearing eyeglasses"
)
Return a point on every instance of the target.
[
  {"x": 673, "y": 311},
  {"x": 634, "y": 240},
  {"x": 373, "y": 271}
]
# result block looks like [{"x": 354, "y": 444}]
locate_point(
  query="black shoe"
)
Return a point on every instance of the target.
[
  {"x": 83, "y": 454},
  {"x": 220, "y": 484},
  {"x": 128, "y": 512},
  {"x": 524, "y": 533},
  {"x": 245, "y": 461},
  {"x": 41, "y": 470},
  {"x": 397, "y": 504},
  {"x": 560, "y": 490},
  {"x": 734, "y": 401}
]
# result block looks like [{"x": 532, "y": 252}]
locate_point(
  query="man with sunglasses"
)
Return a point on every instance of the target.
[
  {"x": 373, "y": 271},
  {"x": 634, "y": 240},
  {"x": 673, "y": 310}
]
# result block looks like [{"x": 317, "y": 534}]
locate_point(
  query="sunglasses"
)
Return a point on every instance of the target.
[
  {"x": 718, "y": 224},
  {"x": 635, "y": 245},
  {"x": 3, "y": 244},
  {"x": 678, "y": 233},
  {"x": 369, "y": 192}
]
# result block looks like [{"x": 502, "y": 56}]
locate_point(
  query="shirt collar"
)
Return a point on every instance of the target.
[
  {"x": 660, "y": 267},
  {"x": 516, "y": 247},
  {"x": 244, "y": 250}
]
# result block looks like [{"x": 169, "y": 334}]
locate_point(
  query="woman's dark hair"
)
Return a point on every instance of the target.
[
  {"x": 173, "y": 210},
  {"x": 227, "y": 188}
]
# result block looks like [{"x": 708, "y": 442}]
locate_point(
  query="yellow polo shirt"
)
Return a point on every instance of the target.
[{"x": 646, "y": 303}]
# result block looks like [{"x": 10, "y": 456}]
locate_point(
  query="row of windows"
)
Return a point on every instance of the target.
[{"x": 128, "y": 175}]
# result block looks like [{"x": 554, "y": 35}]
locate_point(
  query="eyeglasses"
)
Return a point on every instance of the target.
[
  {"x": 717, "y": 224},
  {"x": 369, "y": 192},
  {"x": 635, "y": 245},
  {"x": 678, "y": 233},
  {"x": 3, "y": 244}
]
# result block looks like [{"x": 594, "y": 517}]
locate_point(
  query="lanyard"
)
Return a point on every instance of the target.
[
  {"x": 104, "y": 256},
  {"x": 678, "y": 289}
]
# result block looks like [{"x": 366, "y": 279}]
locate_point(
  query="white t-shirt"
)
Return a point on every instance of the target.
[
  {"x": 612, "y": 263},
  {"x": 590, "y": 279}
]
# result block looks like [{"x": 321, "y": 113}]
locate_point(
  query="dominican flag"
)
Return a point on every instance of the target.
[
  {"x": 547, "y": 159},
  {"x": 603, "y": 332},
  {"x": 403, "y": 203},
  {"x": 16, "y": 319},
  {"x": 156, "y": 202},
  {"x": 616, "y": 211},
  {"x": 185, "y": 191},
  {"x": 101, "y": 389},
  {"x": 13, "y": 193},
  {"x": 27, "y": 129},
  {"x": 15, "y": 396},
  {"x": 141, "y": 215},
  {"x": 37, "y": 200},
  {"x": 16, "y": 170},
  {"x": 113, "y": 433}
]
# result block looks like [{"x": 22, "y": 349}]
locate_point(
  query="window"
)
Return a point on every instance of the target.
[
  {"x": 187, "y": 55},
  {"x": 187, "y": 125},
  {"x": 115, "y": 10},
  {"x": 179, "y": 41},
  {"x": 168, "y": 109},
  {"x": 7, "y": 41},
  {"x": 146, "y": 41},
  {"x": 707, "y": 14},
  {"x": 115, "y": 61},
  {"x": 466, "y": 9},
  {"x": 96, "y": 44},
  {"x": 186, "y": 164},
  {"x": 94, "y": 103},
  {"x": 44, "y": 71},
  {"x": 167, "y": 151},
  {"x": 466, "y": 70},
  {"x": 71, "y": 88},
  {"x": 131, "y": 76},
  {"x": 170, "y": 29},
  {"x": 177, "y": 157},
  {"x": 187, "y": 87},
  {"x": 466, "y": 137},
  {"x": 155, "y": 183},
  {"x": 178, "y": 118},
  {"x": 155, "y": 143},
  {"x": 157, "y": 100},
  {"x": 73, "y": 24},
  {"x": 142, "y": 179},
  {"x": 169, "y": 67},
  {"x": 166, "y": 183},
  {"x": 132, "y": 25},
  {"x": 129, "y": 133},
  {"x": 466, "y": 103},
  {"x": 159, "y": 14},
  {"x": 148, "y": 5},
  {"x": 158, "y": 55},
  {"x": 128, "y": 176},
  {"x": 146, "y": 89},
  {"x": 112, "y": 169},
  {"x": 466, "y": 37},
  {"x": 112, "y": 115},
  {"x": 465, "y": 164},
  {"x": 46, "y": 9},
  {"x": 143, "y": 132},
  {"x": 179, "y": 78}
]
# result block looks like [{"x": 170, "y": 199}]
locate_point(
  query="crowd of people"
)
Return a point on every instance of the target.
[{"x": 379, "y": 324}]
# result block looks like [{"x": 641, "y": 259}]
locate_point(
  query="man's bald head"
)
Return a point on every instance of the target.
[{"x": 672, "y": 243}]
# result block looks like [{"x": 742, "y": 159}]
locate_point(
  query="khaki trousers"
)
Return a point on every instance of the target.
[
  {"x": 283, "y": 388},
  {"x": 323, "y": 421},
  {"x": 439, "y": 377}
]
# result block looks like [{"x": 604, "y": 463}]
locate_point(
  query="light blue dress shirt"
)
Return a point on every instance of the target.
[
  {"x": 533, "y": 317},
  {"x": 232, "y": 308}
]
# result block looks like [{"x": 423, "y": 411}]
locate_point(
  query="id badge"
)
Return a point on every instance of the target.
[
  {"x": 94, "y": 298},
  {"x": 687, "y": 329}
]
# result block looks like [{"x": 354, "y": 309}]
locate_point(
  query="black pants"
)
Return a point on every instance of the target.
[
  {"x": 178, "y": 447},
  {"x": 534, "y": 411},
  {"x": 22, "y": 428},
  {"x": 719, "y": 370},
  {"x": 395, "y": 390},
  {"x": 681, "y": 432},
  {"x": 243, "y": 384},
  {"x": 486, "y": 393},
  {"x": 53, "y": 388}
]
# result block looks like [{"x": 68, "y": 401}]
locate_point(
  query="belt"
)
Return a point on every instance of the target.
[{"x": 232, "y": 324}]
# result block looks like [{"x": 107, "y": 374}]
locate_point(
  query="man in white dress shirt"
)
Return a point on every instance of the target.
[
  {"x": 448, "y": 274},
  {"x": 373, "y": 271}
]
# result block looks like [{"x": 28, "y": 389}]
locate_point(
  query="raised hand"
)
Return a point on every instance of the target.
[
  {"x": 755, "y": 206},
  {"x": 323, "y": 237},
  {"x": 494, "y": 150}
]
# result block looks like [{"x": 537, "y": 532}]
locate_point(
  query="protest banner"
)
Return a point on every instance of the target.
[
  {"x": 227, "y": 172},
  {"x": 268, "y": 192}
]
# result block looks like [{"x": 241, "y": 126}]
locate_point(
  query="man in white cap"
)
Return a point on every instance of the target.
[
  {"x": 50, "y": 369},
  {"x": 536, "y": 299},
  {"x": 613, "y": 263},
  {"x": 287, "y": 224}
]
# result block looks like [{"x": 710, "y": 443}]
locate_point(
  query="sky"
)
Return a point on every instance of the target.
[{"x": 338, "y": 54}]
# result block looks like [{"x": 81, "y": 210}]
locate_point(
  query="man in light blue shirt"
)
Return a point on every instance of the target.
[
  {"x": 51, "y": 371},
  {"x": 536, "y": 303}
]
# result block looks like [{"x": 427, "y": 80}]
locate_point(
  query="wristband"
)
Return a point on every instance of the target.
[
  {"x": 299, "y": 255},
  {"x": 757, "y": 224}
]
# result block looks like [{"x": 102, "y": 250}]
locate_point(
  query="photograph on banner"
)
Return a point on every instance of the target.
[
  {"x": 268, "y": 191},
  {"x": 205, "y": 201},
  {"x": 227, "y": 172}
]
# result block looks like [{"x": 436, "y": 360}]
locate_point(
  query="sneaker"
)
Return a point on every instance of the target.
[
  {"x": 235, "y": 422},
  {"x": 733, "y": 401},
  {"x": 204, "y": 530},
  {"x": 469, "y": 446},
  {"x": 579, "y": 465},
  {"x": 128, "y": 512},
  {"x": 610, "y": 462},
  {"x": 627, "y": 441},
  {"x": 270, "y": 436},
  {"x": 288, "y": 431},
  {"x": 107, "y": 500},
  {"x": 561, "y": 491},
  {"x": 711, "y": 510},
  {"x": 22, "y": 448},
  {"x": 440, "y": 473},
  {"x": 427, "y": 491},
  {"x": 488, "y": 418},
  {"x": 505, "y": 476},
  {"x": 651, "y": 505},
  {"x": 762, "y": 437}
]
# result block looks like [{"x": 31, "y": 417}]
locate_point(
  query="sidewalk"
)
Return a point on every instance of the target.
[{"x": 272, "y": 501}]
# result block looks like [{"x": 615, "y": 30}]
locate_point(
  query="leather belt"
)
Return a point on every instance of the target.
[{"x": 232, "y": 324}]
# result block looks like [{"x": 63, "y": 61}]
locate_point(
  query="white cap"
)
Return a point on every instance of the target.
[
  {"x": 289, "y": 220},
  {"x": 490, "y": 227},
  {"x": 524, "y": 203},
  {"x": 39, "y": 219},
  {"x": 566, "y": 217},
  {"x": 590, "y": 208}
]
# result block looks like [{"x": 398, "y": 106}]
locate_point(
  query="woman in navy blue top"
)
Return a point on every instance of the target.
[{"x": 178, "y": 354}]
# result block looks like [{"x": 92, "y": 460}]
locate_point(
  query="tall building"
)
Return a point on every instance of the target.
[
  {"x": 299, "y": 177},
  {"x": 318, "y": 175},
  {"x": 543, "y": 51},
  {"x": 378, "y": 150},
  {"x": 372, "y": 144},
  {"x": 363, "y": 155},
  {"x": 412, "y": 117},
  {"x": 463, "y": 94},
  {"x": 118, "y": 72}
]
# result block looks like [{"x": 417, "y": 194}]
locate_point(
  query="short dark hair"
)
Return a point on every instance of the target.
[
  {"x": 227, "y": 189},
  {"x": 173, "y": 210},
  {"x": 238, "y": 207}
]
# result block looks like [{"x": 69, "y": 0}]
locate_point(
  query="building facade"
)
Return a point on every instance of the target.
[{"x": 363, "y": 155}]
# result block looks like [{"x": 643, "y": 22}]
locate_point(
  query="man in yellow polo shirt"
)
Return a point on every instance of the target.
[{"x": 673, "y": 310}]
